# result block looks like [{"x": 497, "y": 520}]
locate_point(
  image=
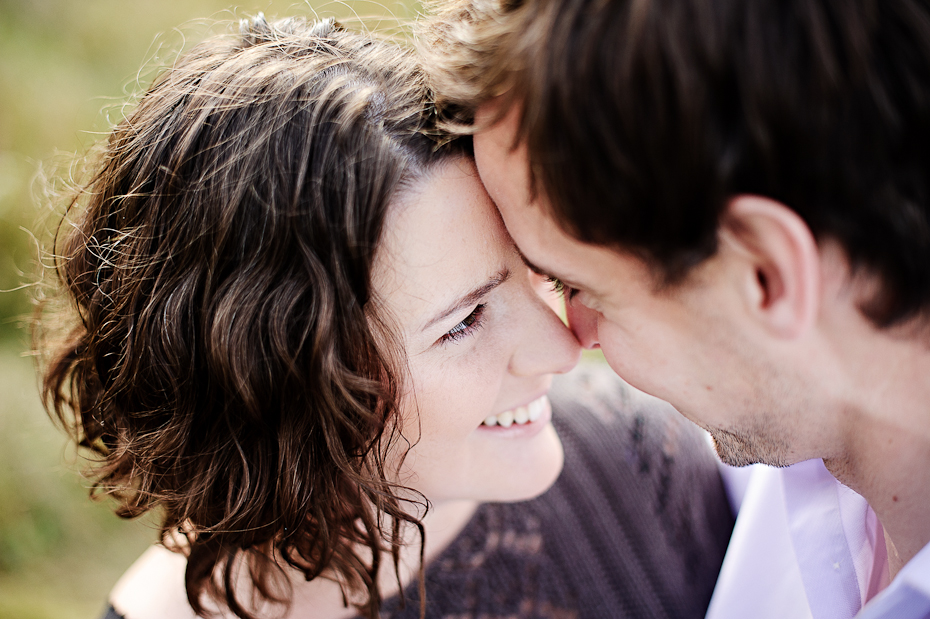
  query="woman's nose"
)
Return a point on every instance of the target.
[
  {"x": 546, "y": 345},
  {"x": 583, "y": 322}
]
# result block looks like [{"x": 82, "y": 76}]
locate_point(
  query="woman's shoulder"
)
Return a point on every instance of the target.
[{"x": 153, "y": 588}]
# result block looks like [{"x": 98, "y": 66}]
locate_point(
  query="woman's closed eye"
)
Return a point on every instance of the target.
[{"x": 465, "y": 328}]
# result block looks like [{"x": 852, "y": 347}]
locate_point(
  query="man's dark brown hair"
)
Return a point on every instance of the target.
[{"x": 643, "y": 117}]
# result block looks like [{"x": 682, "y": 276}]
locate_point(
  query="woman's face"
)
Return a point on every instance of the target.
[{"x": 481, "y": 342}]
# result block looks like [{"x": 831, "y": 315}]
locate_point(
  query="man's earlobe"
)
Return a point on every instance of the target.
[{"x": 780, "y": 261}]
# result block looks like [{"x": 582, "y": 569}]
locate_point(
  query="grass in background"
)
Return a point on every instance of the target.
[{"x": 59, "y": 552}]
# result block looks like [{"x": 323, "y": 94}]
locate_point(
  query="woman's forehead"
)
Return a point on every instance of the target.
[{"x": 442, "y": 240}]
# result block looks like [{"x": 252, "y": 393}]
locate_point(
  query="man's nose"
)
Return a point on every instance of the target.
[{"x": 583, "y": 322}]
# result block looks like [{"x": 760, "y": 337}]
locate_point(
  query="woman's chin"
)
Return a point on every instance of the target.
[
  {"x": 500, "y": 468},
  {"x": 537, "y": 467}
]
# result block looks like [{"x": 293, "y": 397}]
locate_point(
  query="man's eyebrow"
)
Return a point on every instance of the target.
[
  {"x": 471, "y": 298},
  {"x": 532, "y": 267},
  {"x": 535, "y": 269}
]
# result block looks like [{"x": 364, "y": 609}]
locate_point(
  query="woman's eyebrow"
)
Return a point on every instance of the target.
[{"x": 471, "y": 298}]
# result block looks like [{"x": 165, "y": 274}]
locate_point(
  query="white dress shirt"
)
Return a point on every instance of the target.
[{"x": 807, "y": 547}]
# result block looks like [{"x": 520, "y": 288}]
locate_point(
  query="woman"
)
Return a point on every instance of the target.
[{"x": 302, "y": 322}]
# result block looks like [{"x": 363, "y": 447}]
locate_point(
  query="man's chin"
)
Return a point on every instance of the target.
[{"x": 742, "y": 449}]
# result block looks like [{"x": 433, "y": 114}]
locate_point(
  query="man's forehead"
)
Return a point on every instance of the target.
[
  {"x": 504, "y": 168},
  {"x": 497, "y": 139},
  {"x": 547, "y": 250}
]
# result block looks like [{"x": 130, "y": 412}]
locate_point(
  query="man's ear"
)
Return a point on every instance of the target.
[{"x": 780, "y": 262}]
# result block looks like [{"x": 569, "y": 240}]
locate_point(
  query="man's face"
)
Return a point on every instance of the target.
[{"x": 682, "y": 344}]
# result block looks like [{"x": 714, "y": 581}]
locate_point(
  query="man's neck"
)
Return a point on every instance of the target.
[
  {"x": 894, "y": 477},
  {"x": 885, "y": 433}
]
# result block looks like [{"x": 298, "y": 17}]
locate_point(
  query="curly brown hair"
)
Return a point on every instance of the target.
[{"x": 225, "y": 368}]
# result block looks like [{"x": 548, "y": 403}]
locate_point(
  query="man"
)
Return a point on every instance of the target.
[{"x": 736, "y": 197}]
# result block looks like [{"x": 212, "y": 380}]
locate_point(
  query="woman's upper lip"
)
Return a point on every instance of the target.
[{"x": 525, "y": 402}]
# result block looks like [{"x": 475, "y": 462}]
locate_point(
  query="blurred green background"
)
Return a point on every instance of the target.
[{"x": 65, "y": 67}]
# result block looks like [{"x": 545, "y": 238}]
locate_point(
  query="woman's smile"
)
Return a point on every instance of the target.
[{"x": 529, "y": 417}]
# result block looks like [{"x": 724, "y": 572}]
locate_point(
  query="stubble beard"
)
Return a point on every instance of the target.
[{"x": 742, "y": 448}]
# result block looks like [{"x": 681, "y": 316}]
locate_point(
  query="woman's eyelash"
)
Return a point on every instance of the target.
[{"x": 466, "y": 327}]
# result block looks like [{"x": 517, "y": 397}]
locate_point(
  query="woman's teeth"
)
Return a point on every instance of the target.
[{"x": 520, "y": 415}]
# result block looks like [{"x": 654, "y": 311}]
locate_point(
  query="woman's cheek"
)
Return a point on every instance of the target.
[{"x": 455, "y": 396}]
